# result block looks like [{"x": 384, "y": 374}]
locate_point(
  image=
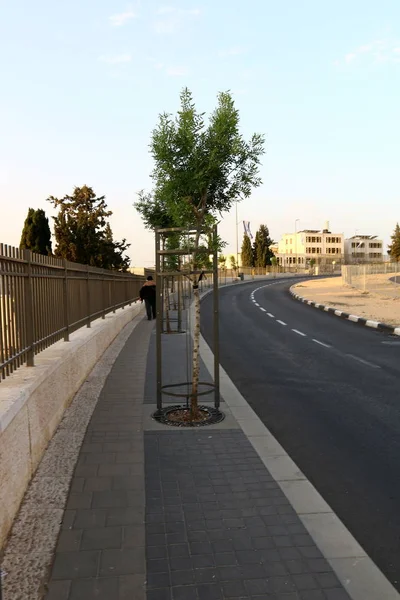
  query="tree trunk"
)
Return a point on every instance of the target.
[
  {"x": 196, "y": 335},
  {"x": 196, "y": 354}
]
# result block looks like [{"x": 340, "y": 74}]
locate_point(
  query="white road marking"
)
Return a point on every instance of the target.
[
  {"x": 299, "y": 332},
  {"x": 321, "y": 343},
  {"x": 256, "y": 303},
  {"x": 272, "y": 316},
  {"x": 281, "y": 322},
  {"x": 263, "y": 309},
  {"x": 364, "y": 362}
]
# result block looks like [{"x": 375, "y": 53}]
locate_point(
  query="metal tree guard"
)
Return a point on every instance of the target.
[{"x": 162, "y": 274}]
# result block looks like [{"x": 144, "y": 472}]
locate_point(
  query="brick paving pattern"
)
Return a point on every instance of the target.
[
  {"x": 177, "y": 515},
  {"x": 219, "y": 527},
  {"x": 101, "y": 549}
]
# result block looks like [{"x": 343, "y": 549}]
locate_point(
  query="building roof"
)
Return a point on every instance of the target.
[{"x": 363, "y": 237}]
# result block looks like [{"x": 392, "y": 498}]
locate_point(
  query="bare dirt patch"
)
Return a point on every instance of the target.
[{"x": 383, "y": 306}]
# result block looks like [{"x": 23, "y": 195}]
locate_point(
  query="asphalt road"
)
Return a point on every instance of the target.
[{"x": 329, "y": 390}]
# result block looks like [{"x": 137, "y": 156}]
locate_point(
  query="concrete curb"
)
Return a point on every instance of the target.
[
  {"x": 359, "y": 575},
  {"x": 343, "y": 315}
]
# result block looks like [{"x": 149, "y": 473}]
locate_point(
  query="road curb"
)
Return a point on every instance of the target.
[
  {"x": 358, "y": 574},
  {"x": 348, "y": 317}
]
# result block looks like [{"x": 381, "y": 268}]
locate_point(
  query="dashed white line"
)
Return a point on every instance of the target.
[
  {"x": 321, "y": 343},
  {"x": 263, "y": 309},
  {"x": 256, "y": 303},
  {"x": 364, "y": 362},
  {"x": 281, "y": 322},
  {"x": 299, "y": 332},
  {"x": 270, "y": 315}
]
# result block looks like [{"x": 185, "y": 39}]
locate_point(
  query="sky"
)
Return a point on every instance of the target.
[{"x": 83, "y": 82}]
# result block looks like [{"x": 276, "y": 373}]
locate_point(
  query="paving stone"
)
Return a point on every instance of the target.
[
  {"x": 73, "y": 565},
  {"x": 58, "y": 590},
  {"x": 102, "y": 538},
  {"x": 96, "y": 589},
  {"x": 88, "y": 519},
  {"x": 69, "y": 540},
  {"x": 179, "y": 578}
]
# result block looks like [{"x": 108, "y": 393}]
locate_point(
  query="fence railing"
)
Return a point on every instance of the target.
[
  {"x": 378, "y": 278},
  {"x": 44, "y": 299}
]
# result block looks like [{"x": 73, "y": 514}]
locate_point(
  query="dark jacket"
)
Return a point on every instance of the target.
[{"x": 148, "y": 291}]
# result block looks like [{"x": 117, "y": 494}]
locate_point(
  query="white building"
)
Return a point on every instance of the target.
[
  {"x": 320, "y": 246},
  {"x": 363, "y": 249}
]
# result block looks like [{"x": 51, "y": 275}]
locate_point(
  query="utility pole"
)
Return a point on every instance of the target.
[
  {"x": 237, "y": 239},
  {"x": 295, "y": 238}
]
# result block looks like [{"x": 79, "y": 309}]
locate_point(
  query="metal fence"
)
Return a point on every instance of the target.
[
  {"x": 378, "y": 278},
  {"x": 44, "y": 299}
]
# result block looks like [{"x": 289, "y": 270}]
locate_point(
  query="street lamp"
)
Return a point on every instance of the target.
[{"x": 295, "y": 237}]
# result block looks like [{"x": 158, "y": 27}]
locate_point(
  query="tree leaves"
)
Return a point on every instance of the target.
[
  {"x": 394, "y": 248},
  {"x": 36, "y": 234},
  {"x": 83, "y": 233}
]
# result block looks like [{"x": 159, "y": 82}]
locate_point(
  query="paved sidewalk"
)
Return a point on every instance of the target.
[{"x": 166, "y": 514}]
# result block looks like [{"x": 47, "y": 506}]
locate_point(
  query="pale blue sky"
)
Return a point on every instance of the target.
[{"x": 82, "y": 84}]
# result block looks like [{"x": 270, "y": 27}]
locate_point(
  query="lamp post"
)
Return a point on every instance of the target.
[
  {"x": 237, "y": 240},
  {"x": 295, "y": 238}
]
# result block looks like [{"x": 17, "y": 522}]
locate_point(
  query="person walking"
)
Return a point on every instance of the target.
[{"x": 148, "y": 294}]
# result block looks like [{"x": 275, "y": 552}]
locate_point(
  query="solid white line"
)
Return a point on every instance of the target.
[
  {"x": 364, "y": 362},
  {"x": 299, "y": 332},
  {"x": 263, "y": 309},
  {"x": 321, "y": 343},
  {"x": 281, "y": 322},
  {"x": 272, "y": 316}
]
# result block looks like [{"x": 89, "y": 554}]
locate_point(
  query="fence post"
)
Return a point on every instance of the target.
[
  {"x": 66, "y": 307},
  {"x": 30, "y": 333},
  {"x": 103, "y": 295},
  {"x": 88, "y": 296}
]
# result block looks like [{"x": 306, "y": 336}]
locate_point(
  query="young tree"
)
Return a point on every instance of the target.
[
  {"x": 234, "y": 265},
  {"x": 83, "y": 233},
  {"x": 222, "y": 261},
  {"x": 261, "y": 249},
  {"x": 394, "y": 248},
  {"x": 36, "y": 235},
  {"x": 200, "y": 171},
  {"x": 247, "y": 252}
]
